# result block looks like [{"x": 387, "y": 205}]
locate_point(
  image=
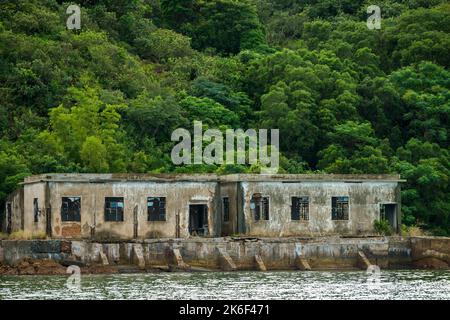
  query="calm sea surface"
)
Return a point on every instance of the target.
[{"x": 234, "y": 285}]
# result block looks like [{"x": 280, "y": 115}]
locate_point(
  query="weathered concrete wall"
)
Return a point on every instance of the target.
[
  {"x": 181, "y": 191},
  {"x": 16, "y": 199},
  {"x": 33, "y": 191},
  {"x": 282, "y": 254},
  {"x": 364, "y": 207},
  {"x": 276, "y": 254},
  {"x": 430, "y": 252},
  {"x": 179, "y": 195},
  {"x": 16, "y": 250},
  {"x": 229, "y": 189}
]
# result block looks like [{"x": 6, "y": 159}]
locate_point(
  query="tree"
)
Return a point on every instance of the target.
[
  {"x": 354, "y": 149},
  {"x": 238, "y": 102},
  {"x": 93, "y": 155},
  {"x": 88, "y": 124},
  {"x": 228, "y": 26},
  {"x": 425, "y": 196},
  {"x": 163, "y": 44},
  {"x": 155, "y": 117},
  {"x": 12, "y": 171},
  {"x": 209, "y": 112},
  {"x": 346, "y": 99},
  {"x": 420, "y": 34},
  {"x": 425, "y": 92}
]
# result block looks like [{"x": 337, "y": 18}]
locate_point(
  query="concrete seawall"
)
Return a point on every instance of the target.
[{"x": 239, "y": 253}]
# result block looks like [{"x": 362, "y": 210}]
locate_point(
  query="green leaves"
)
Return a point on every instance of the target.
[
  {"x": 155, "y": 117},
  {"x": 425, "y": 91},
  {"x": 88, "y": 131},
  {"x": 421, "y": 34},
  {"x": 228, "y": 26},
  {"x": 12, "y": 171},
  {"x": 426, "y": 167},
  {"x": 210, "y": 112},
  {"x": 238, "y": 102},
  {"x": 345, "y": 98},
  {"x": 93, "y": 155},
  {"x": 354, "y": 149},
  {"x": 163, "y": 44}
]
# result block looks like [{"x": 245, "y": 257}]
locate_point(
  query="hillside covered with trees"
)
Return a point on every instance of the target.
[{"x": 346, "y": 99}]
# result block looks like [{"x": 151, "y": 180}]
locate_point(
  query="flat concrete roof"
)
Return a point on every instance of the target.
[
  {"x": 123, "y": 177},
  {"x": 119, "y": 177},
  {"x": 312, "y": 177}
]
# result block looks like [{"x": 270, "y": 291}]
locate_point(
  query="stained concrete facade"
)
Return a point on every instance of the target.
[
  {"x": 336, "y": 253},
  {"x": 189, "y": 197}
]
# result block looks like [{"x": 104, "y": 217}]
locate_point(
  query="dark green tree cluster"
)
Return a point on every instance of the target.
[{"x": 346, "y": 99}]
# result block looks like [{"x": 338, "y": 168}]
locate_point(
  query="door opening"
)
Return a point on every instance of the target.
[
  {"x": 198, "y": 220},
  {"x": 388, "y": 211},
  {"x": 48, "y": 221},
  {"x": 135, "y": 222}
]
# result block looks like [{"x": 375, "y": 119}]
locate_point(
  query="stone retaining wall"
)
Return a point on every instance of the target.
[{"x": 276, "y": 254}]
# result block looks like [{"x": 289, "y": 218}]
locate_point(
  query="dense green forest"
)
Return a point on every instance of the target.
[{"x": 346, "y": 99}]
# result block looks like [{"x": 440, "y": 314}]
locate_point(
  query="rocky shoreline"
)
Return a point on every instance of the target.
[
  {"x": 49, "y": 267},
  {"x": 29, "y": 267}
]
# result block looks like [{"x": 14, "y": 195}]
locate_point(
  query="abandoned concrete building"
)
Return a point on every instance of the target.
[{"x": 126, "y": 206}]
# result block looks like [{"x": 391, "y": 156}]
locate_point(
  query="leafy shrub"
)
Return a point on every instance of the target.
[
  {"x": 412, "y": 231},
  {"x": 383, "y": 227}
]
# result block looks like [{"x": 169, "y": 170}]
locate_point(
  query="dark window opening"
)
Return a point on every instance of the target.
[
  {"x": 70, "y": 209},
  {"x": 339, "y": 208},
  {"x": 260, "y": 207},
  {"x": 226, "y": 209},
  {"x": 300, "y": 208},
  {"x": 156, "y": 209},
  {"x": 36, "y": 209},
  {"x": 114, "y": 209}
]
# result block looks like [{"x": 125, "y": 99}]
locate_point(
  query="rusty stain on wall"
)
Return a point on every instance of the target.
[{"x": 72, "y": 230}]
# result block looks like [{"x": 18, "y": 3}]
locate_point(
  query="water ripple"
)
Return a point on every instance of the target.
[{"x": 406, "y": 284}]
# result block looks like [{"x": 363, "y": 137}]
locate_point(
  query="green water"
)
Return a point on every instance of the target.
[{"x": 234, "y": 285}]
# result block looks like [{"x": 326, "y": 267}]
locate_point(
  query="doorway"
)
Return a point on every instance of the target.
[
  {"x": 388, "y": 211},
  {"x": 48, "y": 221},
  {"x": 135, "y": 222},
  {"x": 198, "y": 220}
]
